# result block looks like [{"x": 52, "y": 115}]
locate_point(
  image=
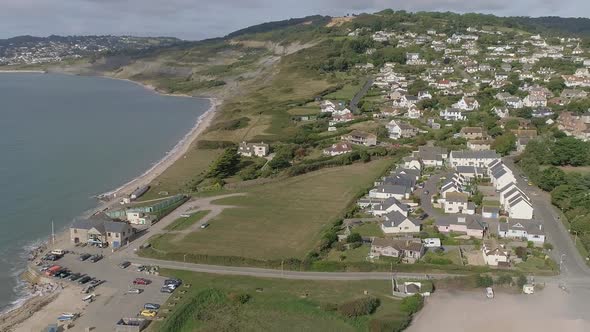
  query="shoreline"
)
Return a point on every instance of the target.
[{"x": 145, "y": 178}]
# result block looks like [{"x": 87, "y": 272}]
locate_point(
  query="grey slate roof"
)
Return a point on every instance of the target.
[
  {"x": 483, "y": 154},
  {"x": 394, "y": 219},
  {"x": 102, "y": 224},
  {"x": 472, "y": 221}
]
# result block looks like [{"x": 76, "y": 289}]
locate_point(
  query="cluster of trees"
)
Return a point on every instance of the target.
[{"x": 569, "y": 190}]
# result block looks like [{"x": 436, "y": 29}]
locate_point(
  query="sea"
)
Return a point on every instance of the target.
[{"x": 65, "y": 139}]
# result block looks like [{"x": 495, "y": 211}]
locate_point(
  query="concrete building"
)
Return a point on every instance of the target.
[{"x": 101, "y": 231}]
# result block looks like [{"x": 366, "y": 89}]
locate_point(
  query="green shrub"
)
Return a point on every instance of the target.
[
  {"x": 354, "y": 237},
  {"x": 241, "y": 298},
  {"x": 389, "y": 324},
  {"x": 412, "y": 304},
  {"x": 359, "y": 307},
  {"x": 504, "y": 280},
  {"x": 521, "y": 281},
  {"x": 483, "y": 280}
]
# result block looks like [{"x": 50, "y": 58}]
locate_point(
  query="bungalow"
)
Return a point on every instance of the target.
[
  {"x": 101, "y": 230},
  {"x": 253, "y": 149},
  {"x": 397, "y": 223},
  {"x": 471, "y": 225},
  {"x": 338, "y": 149},
  {"x": 494, "y": 255},
  {"x": 398, "y": 129},
  {"x": 409, "y": 250},
  {"x": 522, "y": 229},
  {"x": 472, "y": 133},
  {"x": 456, "y": 202},
  {"x": 452, "y": 114},
  {"x": 389, "y": 205},
  {"x": 472, "y": 158},
  {"x": 360, "y": 138}
]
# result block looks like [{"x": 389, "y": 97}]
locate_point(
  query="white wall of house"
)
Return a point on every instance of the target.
[
  {"x": 522, "y": 210},
  {"x": 405, "y": 227}
]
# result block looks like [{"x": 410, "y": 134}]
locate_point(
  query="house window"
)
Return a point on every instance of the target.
[
  {"x": 109, "y": 234},
  {"x": 117, "y": 235}
]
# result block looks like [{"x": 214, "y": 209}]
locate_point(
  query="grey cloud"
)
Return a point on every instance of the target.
[{"x": 197, "y": 19}]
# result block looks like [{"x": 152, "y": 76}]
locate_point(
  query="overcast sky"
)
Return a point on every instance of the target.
[{"x": 198, "y": 19}]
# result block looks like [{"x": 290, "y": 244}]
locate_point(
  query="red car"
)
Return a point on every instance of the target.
[{"x": 141, "y": 281}]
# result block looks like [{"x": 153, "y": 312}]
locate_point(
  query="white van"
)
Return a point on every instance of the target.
[
  {"x": 489, "y": 293},
  {"x": 432, "y": 242},
  {"x": 59, "y": 252}
]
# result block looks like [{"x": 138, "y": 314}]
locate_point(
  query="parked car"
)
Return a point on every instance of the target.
[
  {"x": 96, "y": 282},
  {"x": 134, "y": 291},
  {"x": 175, "y": 282},
  {"x": 205, "y": 225},
  {"x": 84, "y": 257},
  {"x": 166, "y": 290},
  {"x": 141, "y": 281},
  {"x": 426, "y": 192},
  {"x": 148, "y": 313},
  {"x": 423, "y": 216},
  {"x": 74, "y": 276},
  {"x": 141, "y": 268},
  {"x": 124, "y": 265},
  {"x": 151, "y": 306},
  {"x": 95, "y": 258},
  {"x": 64, "y": 274},
  {"x": 84, "y": 280}
]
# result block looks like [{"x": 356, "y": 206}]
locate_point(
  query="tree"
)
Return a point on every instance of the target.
[
  {"x": 504, "y": 280},
  {"x": 483, "y": 280},
  {"x": 354, "y": 237},
  {"x": 521, "y": 281},
  {"x": 551, "y": 178},
  {"x": 412, "y": 304},
  {"x": 226, "y": 165},
  {"x": 505, "y": 143},
  {"x": 521, "y": 252}
]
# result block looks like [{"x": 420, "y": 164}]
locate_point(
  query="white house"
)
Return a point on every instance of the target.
[
  {"x": 412, "y": 162},
  {"x": 501, "y": 112},
  {"x": 431, "y": 156},
  {"x": 397, "y": 223},
  {"x": 472, "y": 158},
  {"x": 535, "y": 100},
  {"x": 414, "y": 112},
  {"x": 470, "y": 225},
  {"x": 253, "y": 149},
  {"x": 385, "y": 191},
  {"x": 467, "y": 104},
  {"x": 515, "y": 202},
  {"x": 456, "y": 202},
  {"x": 522, "y": 229},
  {"x": 493, "y": 256},
  {"x": 389, "y": 205},
  {"x": 500, "y": 174},
  {"x": 452, "y": 114},
  {"x": 514, "y": 102},
  {"x": 338, "y": 149},
  {"x": 399, "y": 129}
]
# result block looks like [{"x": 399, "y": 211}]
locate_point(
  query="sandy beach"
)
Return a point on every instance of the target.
[{"x": 33, "y": 313}]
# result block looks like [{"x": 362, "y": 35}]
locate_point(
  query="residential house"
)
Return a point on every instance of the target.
[
  {"x": 360, "y": 138},
  {"x": 471, "y": 172},
  {"x": 522, "y": 229},
  {"x": 424, "y": 95},
  {"x": 535, "y": 100},
  {"x": 456, "y": 202},
  {"x": 501, "y": 112},
  {"x": 412, "y": 162},
  {"x": 515, "y": 202},
  {"x": 573, "y": 94},
  {"x": 479, "y": 145},
  {"x": 490, "y": 212},
  {"x": 575, "y": 125},
  {"x": 472, "y": 158},
  {"x": 399, "y": 192},
  {"x": 521, "y": 143},
  {"x": 338, "y": 149},
  {"x": 340, "y": 118},
  {"x": 396, "y": 223},
  {"x": 398, "y": 129},
  {"x": 467, "y": 104},
  {"x": 471, "y": 225},
  {"x": 542, "y": 112},
  {"x": 453, "y": 114},
  {"x": 500, "y": 174},
  {"x": 409, "y": 250},
  {"x": 470, "y": 133},
  {"x": 431, "y": 156},
  {"x": 253, "y": 149},
  {"x": 514, "y": 102},
  {"x": 389, "y": 205},
  {"x": 101, "y": 230},
  {"x": 414, "y": 112},
  {"x": 494, "y": 255}
]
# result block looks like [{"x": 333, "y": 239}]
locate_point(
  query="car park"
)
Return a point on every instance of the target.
[
  {"x": 134, "y": 291},
  {"x": 141, "y": 281},
  {"x": 124, "y": 265},
  {"x": 147, "y": 313},
  {"x": 151, "y": 306},
  {"x": 84, "y": 257}
]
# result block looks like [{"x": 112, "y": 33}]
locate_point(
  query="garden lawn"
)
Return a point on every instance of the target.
[
  {"x": 369, "y": 229},
  {"x": 283, "y": 219},
  {"x": 281, "y": 305}
]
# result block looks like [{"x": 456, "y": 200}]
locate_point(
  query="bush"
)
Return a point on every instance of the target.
[
  {"x": 521, "y": 252},
  {"x": 521, "y": 281},
  {"x": 240, "y": 298},
  {"x": 354, "y": 237},
  {"x": 484, "y": 281},
  {"x": 389, "y": 325},
  {"x": 412, "y": 304},
  {"x": 504, "y": 280},
  {"x": 359, "y": 307},
  {"x": 548, "y": 246}
]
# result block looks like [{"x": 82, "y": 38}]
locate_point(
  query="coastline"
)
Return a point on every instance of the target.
[{"x": 30, "y": 304}]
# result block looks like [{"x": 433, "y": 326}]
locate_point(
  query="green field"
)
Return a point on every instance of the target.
[
  {"x": 184, "y": 223},
  {"x": 177, "y": 178},
  {"x": 279, "y": 220},
  {"x": 278, "y": 305}
]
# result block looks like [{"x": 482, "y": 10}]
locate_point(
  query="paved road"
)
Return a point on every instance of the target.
[
  {"x": 430, "y": 186},
  {"x": 355, "y": 100}
]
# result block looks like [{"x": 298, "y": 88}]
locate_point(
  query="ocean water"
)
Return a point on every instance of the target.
[{"x": 64, "y": 139}]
